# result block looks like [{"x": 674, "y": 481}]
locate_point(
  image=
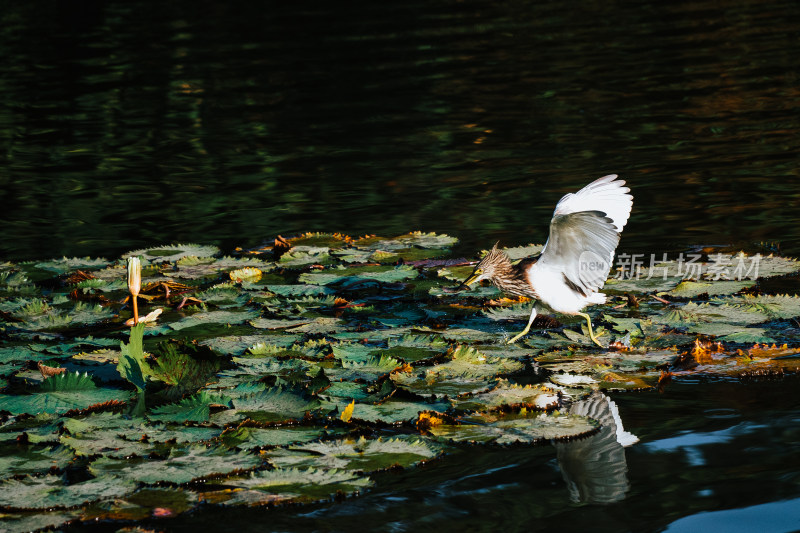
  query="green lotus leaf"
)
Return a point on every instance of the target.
[
  {"x": 369, "y": 369},
  {"x": 254, "y": 437},
  {"x": 192, "y": 267},
  {"x": 407, "y": 354},
  {"x": 42, "y": 428},
  {"x": 102, "y": 285},
  {"x": 181, "y": 466},
  {"x": 214, "y": 317},
  {"x": 520, "y": 252},
  {"x": 316, "y": 239},
  {"x": 353, "y": 352},
  {"x": 31, "y": 459},
  {"x": 692, "y": 313},
  {"x": 238, "y": 344},
  {"x": 193, "y": 409},
  {"x": 294, "y": 484},
  {"x": 65, "y": 264},
  {"x": 773, "y": 306},
  {"x": 51, "y": 491},
  {"x": 692, "y": 289},
  {"x": 259, "y": 367},
  {"x": 275, "y": 404},
  {"x": 131, "y": 364},
  {"x": 61, "y": 393},
  {"x": 299, "y": 290},
  {"x": 271, "y": 323},
  {"x": 530, "y": 427},
  {"x": 12, "y": 354},
  {"x": 173, "y": 252},
  {"x": 184, "y": 367},
  {"x": 391, "y": 411},
  {"x": 320, "y": 325},
  {"x": 25, "y": 521},
  {"x": 748, "y": 335},
  {"x": 305, "y": 255},
  {"x": 357, "y": 454},
  {"x": 145, "y": 503},
  {"x": 506, "y": 394},
  {"x": 433, "y": 342},
  {"x": 476, "y": 291},
  {"x": 352, "y": 255},
  {"x": 756, "y": 266},
  {"x": 468, "y": 370},
  {"x": 362, "y": 392},
  {"x": 512, "y": 312},
  {"x": 105, "y": 443},
  {"x": 646, "y": 282},
  {"x": 414, "y": 238},
  {"x": 354, "y": 274}
]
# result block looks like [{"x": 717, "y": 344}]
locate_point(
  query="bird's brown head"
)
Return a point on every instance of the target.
[{"x": 494, "y": 265}]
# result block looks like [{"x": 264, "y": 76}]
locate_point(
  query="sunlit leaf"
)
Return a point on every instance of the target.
[
  {"x": 506, "y": 428},
  {"x": 295, "y": 484}
]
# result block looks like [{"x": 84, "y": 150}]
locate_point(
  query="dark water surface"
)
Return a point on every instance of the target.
[{"x": 128, "y": 124}]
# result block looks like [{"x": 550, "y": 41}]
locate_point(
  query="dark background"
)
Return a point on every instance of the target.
[{"x": 129, "y": 124}]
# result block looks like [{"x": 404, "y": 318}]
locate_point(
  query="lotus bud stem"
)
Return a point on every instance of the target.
[{"x": 134, "y": 284}]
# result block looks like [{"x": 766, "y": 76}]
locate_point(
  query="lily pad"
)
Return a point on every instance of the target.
[
  {"x": 357, "y": 454},
  {"x": 181, "y": 466},
  {"x": 173, "y": 252},
  {"x": 51, "y": 491},
  {"x": 293, "y": 484},
  {"x": 468, "y": 370},
  {"x": 524, "y": 427}
]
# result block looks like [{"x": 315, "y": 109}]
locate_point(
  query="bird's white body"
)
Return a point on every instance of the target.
[{"x": 551, "y": 289}]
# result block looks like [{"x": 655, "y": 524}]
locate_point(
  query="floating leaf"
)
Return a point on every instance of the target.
[
  {"x": 506, "y": 394},
  {"x": 357, "y": 454},
  {"x": 467, "y": 371},
  {"x": 181, "y": 466},
  {"x": 214, "y": 317},
  {"x": 32, "y": 459},
  {"x": 249, "y": 274},
  {"x": 59, "y": 394},
  {"x": 507, "y": 428},
  {"x": 173, "y": 252},
  {"x": 65, "y": 264},
  {"x": 50, "y": 491},
  {"x": 193, "y": 409},
  {"x": 301, "y": 484},
  {"x": 692, "y": 289},
  {"x": 275, "y": 404}
]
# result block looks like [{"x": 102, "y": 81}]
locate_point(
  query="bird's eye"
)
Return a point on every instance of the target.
[{"x": 479, "y": 271}]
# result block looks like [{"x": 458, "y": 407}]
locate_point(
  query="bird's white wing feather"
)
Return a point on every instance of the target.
[
  {"x": 607, "y": 194},
  {"x": 584, "y": 233}
]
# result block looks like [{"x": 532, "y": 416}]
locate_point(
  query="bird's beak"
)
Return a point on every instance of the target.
[{"x": 467, "y": 282}]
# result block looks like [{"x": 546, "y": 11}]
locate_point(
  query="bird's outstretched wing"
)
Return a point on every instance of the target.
[{"x": 585, "y": 232}]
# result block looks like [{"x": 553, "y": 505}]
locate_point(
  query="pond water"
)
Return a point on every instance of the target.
[{"x": 127, "y": 124}]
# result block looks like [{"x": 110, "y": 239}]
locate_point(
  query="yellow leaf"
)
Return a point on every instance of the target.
[
  {"x": 250, "y": 274},
  {"x": 348, "y": 412}
]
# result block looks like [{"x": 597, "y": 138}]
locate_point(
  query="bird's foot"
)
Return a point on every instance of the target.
[
  {"x": 594, "y": 339},
  {"x": 518, "y": 336},
  {"x": 591, "y": 333}
]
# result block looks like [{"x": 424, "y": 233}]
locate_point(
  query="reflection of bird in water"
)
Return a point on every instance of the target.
[
  {"x": 594, "y": 468},
  {"x": 575, "y": 261}
]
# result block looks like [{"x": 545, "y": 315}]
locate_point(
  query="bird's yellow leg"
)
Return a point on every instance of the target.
[
  {"x": 591, "y": 333},
  {"x": 527, "y": 328}
]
